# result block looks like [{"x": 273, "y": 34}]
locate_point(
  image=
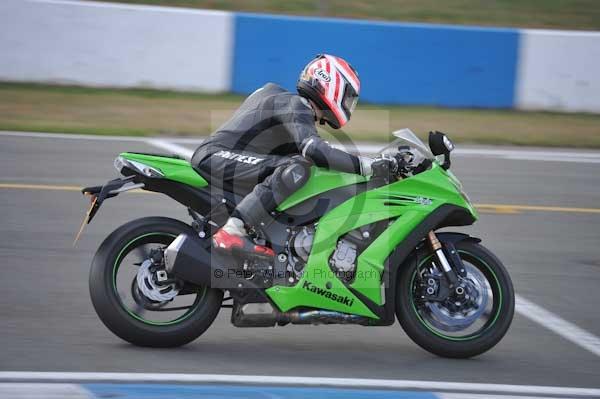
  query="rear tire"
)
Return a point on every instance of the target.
[
  {"x": 467, "y": 346},
  {"x": 109, "y": 306}
]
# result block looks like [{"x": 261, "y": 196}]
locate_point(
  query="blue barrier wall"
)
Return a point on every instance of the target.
[
  {"x": 99, "y": 44},
  {"x": 398, "y": 63}
]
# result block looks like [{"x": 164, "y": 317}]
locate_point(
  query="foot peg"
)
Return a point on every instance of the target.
[{"x": 241, "y": 244}]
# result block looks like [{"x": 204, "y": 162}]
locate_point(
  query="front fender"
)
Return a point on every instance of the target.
[{"x": 455, "y": 238}]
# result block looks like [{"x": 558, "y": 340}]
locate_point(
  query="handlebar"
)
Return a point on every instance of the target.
[{"x": 399, "y": 165}]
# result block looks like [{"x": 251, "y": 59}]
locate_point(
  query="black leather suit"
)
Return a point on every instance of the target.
[{"x": 265, "y": 150}]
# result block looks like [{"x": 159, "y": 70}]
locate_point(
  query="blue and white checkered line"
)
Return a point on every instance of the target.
[
  {"x": 181, "y": 391},
  {"x": 76, "y": 385},
  {"x": 146, "y": 391}
]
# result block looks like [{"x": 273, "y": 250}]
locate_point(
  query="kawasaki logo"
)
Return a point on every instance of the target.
[{"x": 327, "y": 294}]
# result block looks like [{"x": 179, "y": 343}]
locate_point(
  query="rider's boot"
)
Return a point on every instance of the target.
[{"x": 232, "y": 237}]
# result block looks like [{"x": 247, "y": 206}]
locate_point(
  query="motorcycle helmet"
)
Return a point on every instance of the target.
[{"x": 333, "y": 85}]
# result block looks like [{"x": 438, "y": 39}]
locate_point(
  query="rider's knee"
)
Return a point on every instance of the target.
[{"x": 294, "y": 175}]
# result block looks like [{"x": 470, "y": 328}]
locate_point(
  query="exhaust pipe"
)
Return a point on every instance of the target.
[
  {"x": 320, "y": 317},
  {"x": 263, "y": 314},
  {"x": 191, "y": 259}
]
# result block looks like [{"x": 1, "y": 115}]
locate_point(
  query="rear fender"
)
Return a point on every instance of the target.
[
  {"x": 197, "y": 199},
  {"x": 111, "y": 189},
  {"x": 169, "y": 175}
]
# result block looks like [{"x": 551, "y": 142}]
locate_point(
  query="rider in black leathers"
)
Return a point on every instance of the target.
[{"x": 264, "y": 152}]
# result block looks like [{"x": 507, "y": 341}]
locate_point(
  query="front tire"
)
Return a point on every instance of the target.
[
  {"x": 429, "y": 333},
  {"x": 124, "y": 322}
]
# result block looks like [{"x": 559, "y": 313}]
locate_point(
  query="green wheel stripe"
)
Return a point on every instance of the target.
[
  {"x": 468, "y": 338},
  {"x": 114, "y": 280}
]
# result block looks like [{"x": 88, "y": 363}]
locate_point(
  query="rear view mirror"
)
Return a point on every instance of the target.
[{"x": 439, "y": 143}]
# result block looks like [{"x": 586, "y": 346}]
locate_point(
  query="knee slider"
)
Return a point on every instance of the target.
[{"x": 294, "y": 176}]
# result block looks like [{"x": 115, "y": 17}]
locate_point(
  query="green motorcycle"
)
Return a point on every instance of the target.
[{"x": 349, "y": 250}]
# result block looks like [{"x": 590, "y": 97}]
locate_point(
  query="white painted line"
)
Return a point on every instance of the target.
[
  {"x": 370, "y": 148},
  {"x": 545, "y": 159},
  {"x": 171, "y": 148},
  {"x": 134, "y": 7},
  {"x": 463, "y": 395},
  {"x": 532, "y": 155},
  {"x": 520, "y": 154},
  {"x": 68, "y": 136},
  {"x": 296, "y": 381},
  {"x": 528, "y": 152},
  {"x": 558, "y": 325},
  {"x": 43, "y": 391}
]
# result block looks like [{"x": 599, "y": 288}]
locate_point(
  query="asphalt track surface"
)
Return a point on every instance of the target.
[{"x": 48, "y": 323}]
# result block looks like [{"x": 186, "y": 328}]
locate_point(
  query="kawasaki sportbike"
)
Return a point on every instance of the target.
[{"x": 349, "y": 250}]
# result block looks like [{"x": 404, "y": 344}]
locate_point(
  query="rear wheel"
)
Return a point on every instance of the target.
[
  {"x": 460, "y": 326},
  {"x": 136, "y": 299}
]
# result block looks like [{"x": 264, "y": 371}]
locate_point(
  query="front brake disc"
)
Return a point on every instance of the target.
[{"x": 446, "y": 320}]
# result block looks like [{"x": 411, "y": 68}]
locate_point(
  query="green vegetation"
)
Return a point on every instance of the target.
[
  {"x": 559, "y": 14},
  {"x": 30, "y": 107}
]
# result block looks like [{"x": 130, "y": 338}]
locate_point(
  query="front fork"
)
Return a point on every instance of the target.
[{"x": 452, "y": 266}]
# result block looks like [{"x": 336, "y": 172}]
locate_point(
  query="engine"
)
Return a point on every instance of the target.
[
  {"x": 342, "y": 261},
  {"x": 299, "y": 247}
]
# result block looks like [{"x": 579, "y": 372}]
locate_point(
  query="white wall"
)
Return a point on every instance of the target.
[
  {"x": 102, "y": 44},
  {"x": 559, "y": 70},
  {"x": 107, "y": 44}
]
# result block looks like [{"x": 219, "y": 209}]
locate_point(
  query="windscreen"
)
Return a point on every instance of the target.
[{"x": 406, "y": 138}]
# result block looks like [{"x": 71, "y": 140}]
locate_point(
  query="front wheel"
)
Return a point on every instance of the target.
[
  {"x": 457, "y": 327},
  {"x": 129, "y": 296}
]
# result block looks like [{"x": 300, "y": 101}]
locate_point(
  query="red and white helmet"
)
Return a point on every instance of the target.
[{"x": 333, "y": 85}]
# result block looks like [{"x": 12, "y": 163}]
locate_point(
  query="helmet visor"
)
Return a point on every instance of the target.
[{"x": 350, "y": 99}]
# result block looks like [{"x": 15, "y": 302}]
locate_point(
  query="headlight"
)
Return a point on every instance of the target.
[{"x": 142, "y": 168}]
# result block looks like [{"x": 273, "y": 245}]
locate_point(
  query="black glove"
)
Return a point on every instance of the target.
[{"x": 384, "y": 167}]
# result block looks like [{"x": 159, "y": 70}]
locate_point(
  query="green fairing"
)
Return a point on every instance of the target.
[
  {"x": 175, "y": 169},
  {"x": 408, "y": 202},
  {"x": 320, "y": 180}
]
